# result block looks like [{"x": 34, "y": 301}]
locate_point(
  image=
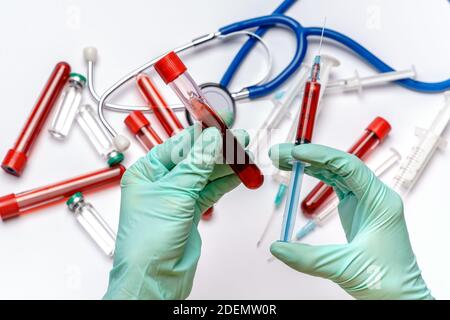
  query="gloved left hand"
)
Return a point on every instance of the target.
[{"x": 163, "y": 197}]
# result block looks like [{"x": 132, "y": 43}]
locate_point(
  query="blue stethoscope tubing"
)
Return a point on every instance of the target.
[
  {"x": 249, "y": 44},
  {"x": 302, "y": 33}
]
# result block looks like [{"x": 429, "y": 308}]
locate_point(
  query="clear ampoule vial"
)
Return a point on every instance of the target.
[
  {"x": 96, "y": 133},
  {"x": 67, "y": 107},
  {"x": 93, "y": 223}
]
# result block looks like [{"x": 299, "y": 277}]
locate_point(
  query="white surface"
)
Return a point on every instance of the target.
[{"x": 47, "y": 255}]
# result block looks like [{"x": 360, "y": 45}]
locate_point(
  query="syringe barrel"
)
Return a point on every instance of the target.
[
  {"x": 155, "y": 100},
  {"x": 139, "y": 125},
  {"x": 16, "y": 158},
  {"x": 174, "y": 72},
  {"x": 13, "y": 205},
  {"x": 416, "y": 161},
  {"x": 308, "y": 112},
  {"x": 377, "y": 130}
]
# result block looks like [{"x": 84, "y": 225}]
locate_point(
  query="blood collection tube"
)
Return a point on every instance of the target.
[
  {"x": 67, "y": 106},
  {"x": 173, "y": 72},
  {"x": 93, "y": 223},
  {"x": 13, "y": 205},
  {"x": 374, "y": 134},
  {"x": 96, "y": 133},
  {"x": 141, "y": 128},
  {"x": 165, "y": 115},
  {"x": 16, "y": 158}
]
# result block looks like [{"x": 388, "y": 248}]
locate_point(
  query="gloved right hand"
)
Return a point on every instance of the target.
[{"x": 378, "y": 261}]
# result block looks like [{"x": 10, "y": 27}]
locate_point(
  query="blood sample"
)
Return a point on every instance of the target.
[
  {"x": 375, "y": 133},
  {"x": 93, "y": 223},
  {"x": 96, "y": 133},
  {"x": 13, "y": 205},
  {"x": 208, "y": 214},
  {"x": 141, "y": 128},
  {"x": 165, "y": 115},
  {"x": 305, "y": 128},
  {"x": 16, "y": 158},
  {"x": 67, "y": 106},
  {"x": 173, "y": 72}
]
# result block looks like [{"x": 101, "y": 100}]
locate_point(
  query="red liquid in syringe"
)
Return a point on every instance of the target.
[{"x": 308, "y": 112}]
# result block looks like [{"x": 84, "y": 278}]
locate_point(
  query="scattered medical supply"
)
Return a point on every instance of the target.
[
  {"x": 67, "y": 106},
  {"x": 142, "y": 130},
  {"x": 429, "y": 140},
  {"x": 16, "y": 158},
  {"x": 373, "y": 135},
  {"x": 13, "y": 205},
  {"x": 156, "y": 102},
  {"x": 304, "y": 135},
  {"x": 174, "y": 73},
  {"x": 357, "y": 83},
  {"x": 327, "y": 62},
  {"x": 97, "y": 135},
  {"x": 252, "y": 92},
  {"x": 330, "y": 208},
  {"x": 93, "y": 223}
]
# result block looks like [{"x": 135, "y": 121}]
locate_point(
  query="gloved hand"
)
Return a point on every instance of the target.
[
  {"x": 378, "y": 261},
  {"x": 163, "y": 196}
]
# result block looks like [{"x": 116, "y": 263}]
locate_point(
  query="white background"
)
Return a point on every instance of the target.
[{"x": 47, "y": 255}]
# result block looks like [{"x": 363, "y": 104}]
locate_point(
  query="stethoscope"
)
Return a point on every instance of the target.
[
  {"x": 217, "y": 94},
  {"x": 301, "y": 34}
]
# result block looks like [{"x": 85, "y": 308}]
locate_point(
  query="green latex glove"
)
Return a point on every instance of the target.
[
  {"x": 163, "y": 196},
  {"x": 378, "y": 261}
]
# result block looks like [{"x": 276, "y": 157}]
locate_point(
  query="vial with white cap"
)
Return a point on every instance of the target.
[
  {"x": 93, "y": 223},
  {"x": 67, "y": 106}
]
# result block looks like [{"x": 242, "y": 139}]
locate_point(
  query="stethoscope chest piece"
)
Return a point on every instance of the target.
[{"x": 221, "y": 100}]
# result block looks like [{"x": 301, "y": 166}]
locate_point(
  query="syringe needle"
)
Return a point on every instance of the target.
[
  {"x": 266, "y": 228},
  {"x": 321, "y": 36}
]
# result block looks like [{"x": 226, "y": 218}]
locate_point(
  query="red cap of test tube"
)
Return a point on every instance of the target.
[
  {"x": 135, "y": 121},
  {"x": 8, "y": 206},
  {"x": 14, "y": 162},
  {"x": 170, "y": 67},
  {"x": 380, "y": 127}
]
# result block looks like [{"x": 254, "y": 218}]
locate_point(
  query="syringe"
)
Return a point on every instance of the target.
[
  {"x": 282, "y": 105},
  {"x": 327, "y": 63},
  {"x": 304, "y": 135},
  {"x": 390, "y": 160},
  {"x": 281, "y": 108},
  {"x": 356, "y": 83},
  {"x": 429, "y": 140}
]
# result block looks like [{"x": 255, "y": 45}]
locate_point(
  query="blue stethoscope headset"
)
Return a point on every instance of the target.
[{"x": 263, "y": 24}]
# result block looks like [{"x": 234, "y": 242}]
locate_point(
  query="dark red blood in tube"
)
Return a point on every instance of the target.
[
  {"x": 208, "y": 214},
  {"x": 165, "y": 115},
  {"x": 374, "y": 134},
  {"x": 308, "y": 112},
  {"x": 13, "y": 205},
  {"x": 16, "y": 158},
  {"x": 233, "y": 152},
  {"x": 173, "y": 71},
  {"x": 141, "y": 128}
]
